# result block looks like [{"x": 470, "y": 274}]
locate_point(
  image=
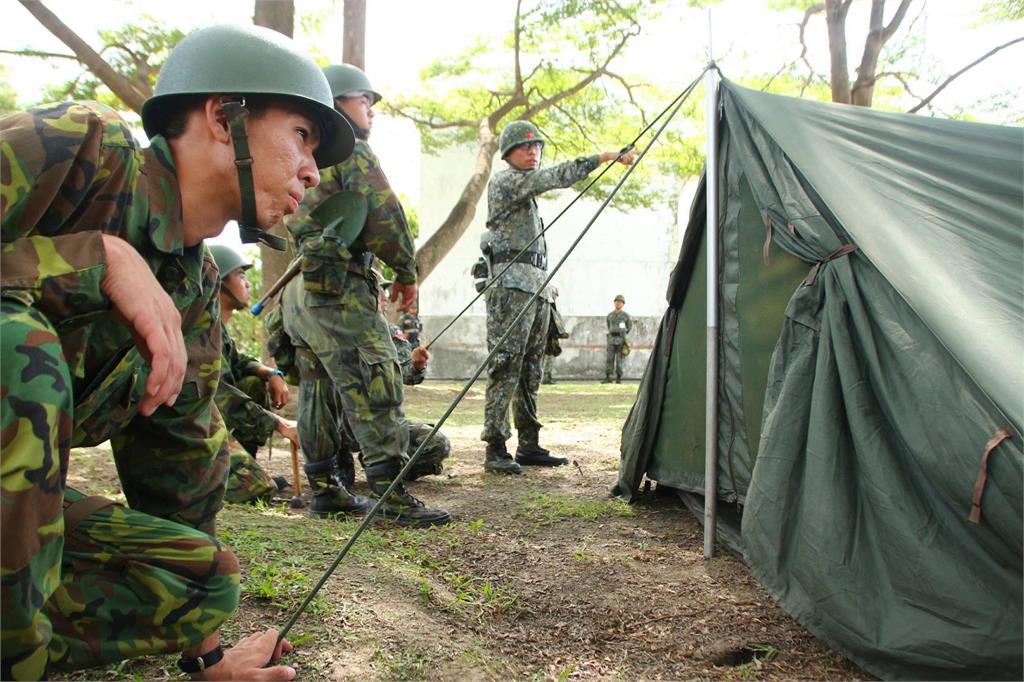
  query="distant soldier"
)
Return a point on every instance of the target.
[
  {"x": 410, "y": 324},
  {"x": 514, "y": 373},
  {"x": 619, "y": 326},
  {"x": 332, "y": 316},
  {"x": 247, "y": 390},
  {"x": 110, "y": 331}
]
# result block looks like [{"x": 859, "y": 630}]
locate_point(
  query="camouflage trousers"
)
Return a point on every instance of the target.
[
  {"x": 514, "y": 373},
  {"x": 324, "y": 432},
  {"x": 351, "y": 341},
  {"x": 549, "y": 371},
  {"x": 124, "y": 583},
  {"x": 613, "y": 357}
]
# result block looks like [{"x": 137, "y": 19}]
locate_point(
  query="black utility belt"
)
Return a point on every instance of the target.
[{"x": 537, "y": 260}]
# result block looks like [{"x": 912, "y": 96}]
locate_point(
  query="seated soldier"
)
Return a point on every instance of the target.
[
  {"x": 109, "y": 331},
  {"x": 247, "y": 390}
]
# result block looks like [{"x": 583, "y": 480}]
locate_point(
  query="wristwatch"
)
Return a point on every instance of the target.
[
  {"x": 275, "y": 373},
  {"x": 200, "y": 663}
]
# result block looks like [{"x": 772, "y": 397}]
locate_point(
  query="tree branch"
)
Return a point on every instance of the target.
[
  {"x": 123, "y": 88},
  {"x": 39, "y": 53},
  {"x": 979, "y": 60},
  {"x": 431, "y": 123}
]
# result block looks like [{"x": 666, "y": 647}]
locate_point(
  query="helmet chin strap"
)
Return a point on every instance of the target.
[
  {"x": 235, "y": 303},
  {"x": 248, "y": 226},
  {"x": 360, "y": 132}
]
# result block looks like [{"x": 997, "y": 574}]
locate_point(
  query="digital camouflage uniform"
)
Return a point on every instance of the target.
[
  {"x": 514, "y": 373},
  {"x": 412, "y": 328},
  {"x": 244, "y": 404},
  {"x": 619, "y": 325},
  {"x": 333, "y": 319},
  {"x": 72, "y": 376}
]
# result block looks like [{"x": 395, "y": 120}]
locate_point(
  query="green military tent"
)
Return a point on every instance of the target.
[{"x": 871, "y": 375}]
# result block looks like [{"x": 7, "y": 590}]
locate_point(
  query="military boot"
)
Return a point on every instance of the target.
[
  {"x": 497, "y": 459},
  {"x": 529, "y": 453},
  {"x": 607, "y": 379},
  {"x": 399, "y": 506},
  {"x": 343, "y": 468},
  {"x": 329, "y": 498}
]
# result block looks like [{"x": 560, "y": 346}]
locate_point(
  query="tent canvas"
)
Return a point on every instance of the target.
[{"x": 871, "y": 307}]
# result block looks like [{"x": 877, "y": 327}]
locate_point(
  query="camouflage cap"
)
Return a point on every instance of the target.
[
  {"x": 516, "y": 133},
  {"x": 620, "y": 297}
]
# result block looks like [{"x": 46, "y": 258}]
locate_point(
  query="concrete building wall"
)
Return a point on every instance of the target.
[{"x": 623, "y": 253}]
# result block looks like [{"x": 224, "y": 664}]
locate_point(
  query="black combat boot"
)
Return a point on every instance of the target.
[
  {"x": 529, "y": 453},
  {"x": 618, "y": 380},
  {"x": 607, "y": 379},
  {"x": 497, "y": 459},
  {"x": 329, "y": 498},
  {"x": 400, "y": 507},
  {"x": 343, "y": 468}
]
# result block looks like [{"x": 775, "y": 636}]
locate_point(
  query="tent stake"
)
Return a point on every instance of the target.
[{"x": 711, "y": 386}]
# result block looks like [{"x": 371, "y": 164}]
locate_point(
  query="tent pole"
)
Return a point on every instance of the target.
[{"x": 711, "y": 387}]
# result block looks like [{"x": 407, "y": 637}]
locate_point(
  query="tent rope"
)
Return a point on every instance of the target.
[
  {"x": 680, "y": 100},
  {"x": 979, "y": 486}
]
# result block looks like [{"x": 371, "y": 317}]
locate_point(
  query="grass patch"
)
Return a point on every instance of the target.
[{"x": 546, "y": 508}]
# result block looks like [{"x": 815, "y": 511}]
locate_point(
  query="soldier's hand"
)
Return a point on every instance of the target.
[
  {"x": 287, "y": 428},
  {"x": 419, "y": 357},
  {"x": 406, "y": 291},
  {"x": 628, "y": 158},
  {"x": 278, "y": 390},
  {"x": 245, "y": 660},
  {"x": 141, "y": 304}
]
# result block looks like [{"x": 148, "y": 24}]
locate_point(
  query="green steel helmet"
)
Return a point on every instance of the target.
[
  {"x": 345, "y": 79},
  {"x": 227, "y": 259},
  {"x": 249, "y": 60},
  {"x": 518, "y": 132}
]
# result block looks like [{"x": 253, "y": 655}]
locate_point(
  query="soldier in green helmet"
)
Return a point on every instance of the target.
[
  {"x": 247, "y": 390},
  {"x": 514, "y": 373},
  {"x": 332, "y": 317},
  {"x": 109, "y": 322},
  {"x": 619, "y": 325}
]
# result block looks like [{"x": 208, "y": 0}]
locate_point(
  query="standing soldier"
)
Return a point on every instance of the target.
[
  {"x": 247, "y": 390},
  {"x": 514, "y": 373},
  {"x": 332, "y": 316},
  {"x": 410, "y": 324},
  {"x": 110, "y": 331},
  {"x": 619, "y": 325}
]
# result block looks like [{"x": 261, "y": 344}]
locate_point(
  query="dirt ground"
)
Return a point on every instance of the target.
[{"x": 541, "y": 576}]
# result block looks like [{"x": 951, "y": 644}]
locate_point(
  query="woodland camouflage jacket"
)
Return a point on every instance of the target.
[{"x": 71, "y": 172}]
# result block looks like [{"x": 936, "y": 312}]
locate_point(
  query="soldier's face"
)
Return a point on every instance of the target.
[
  {"x": 282, "y": 141},
  {"x": 359, "y": 109},
  {"x": 618, "y": 306},
  {"x": 238, "y": 284},
  {"x": 525, "y": 156}
]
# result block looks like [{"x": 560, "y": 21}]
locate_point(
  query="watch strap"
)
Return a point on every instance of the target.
[{"x": 202, "y": 662}]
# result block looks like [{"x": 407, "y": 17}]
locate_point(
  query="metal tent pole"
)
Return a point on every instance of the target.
[{"x": 711, "y": 239}]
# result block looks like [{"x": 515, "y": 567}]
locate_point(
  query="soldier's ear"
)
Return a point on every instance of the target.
[{"x": 216, "y": 119}]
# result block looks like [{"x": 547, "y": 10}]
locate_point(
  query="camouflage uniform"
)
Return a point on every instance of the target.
[
  {"x": 411, "y": 327},
  {"x": 72, "y": 376},
  {"x": 619, "y": 325},
  {"x": 323, "y": 429},
  {"x": 332, "y": 316},
  {"x": 514, "y": 373},
  {"x": 244, "y": 403}
]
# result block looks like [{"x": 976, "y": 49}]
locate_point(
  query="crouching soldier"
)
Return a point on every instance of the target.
[{"x": 110, "y": 330}]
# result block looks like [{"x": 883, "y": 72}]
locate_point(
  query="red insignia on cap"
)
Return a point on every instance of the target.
[{"x": 528, "y": 134}]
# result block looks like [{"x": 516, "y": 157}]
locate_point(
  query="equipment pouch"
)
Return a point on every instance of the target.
[
  {"x": 625, "y": 349},
  {"x": 481, "y": 272}
]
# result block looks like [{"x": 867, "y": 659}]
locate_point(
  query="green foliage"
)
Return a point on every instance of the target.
[
  {"x": 545, "y": 508},
  {"x": 8, "y": 98},
  {"x": 1002, "y": 10},
  {"x": 136, "y": 51},
  {"x": 560, "y": 43}
]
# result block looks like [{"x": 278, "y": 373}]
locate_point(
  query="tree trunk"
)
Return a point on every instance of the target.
[
  {"x": 276, "y": 14},
  {"x": 280, "y": 16},
  {"x": 132, "y": 94},
  {"x": 353, "y": 49},
  {"x": 835, "y": 18},
  {"x": 863, "y": 90},
  {"x": 455, "y": 225}
]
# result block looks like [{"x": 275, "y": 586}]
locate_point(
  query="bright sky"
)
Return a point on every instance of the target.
[{"x": 403, "y": 36}]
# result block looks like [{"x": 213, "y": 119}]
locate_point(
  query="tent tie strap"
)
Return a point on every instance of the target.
[
  {"x": 766, "y": 254},
  {"x": 844, "y": 250},
  {"x": 979, "y": 486}
]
